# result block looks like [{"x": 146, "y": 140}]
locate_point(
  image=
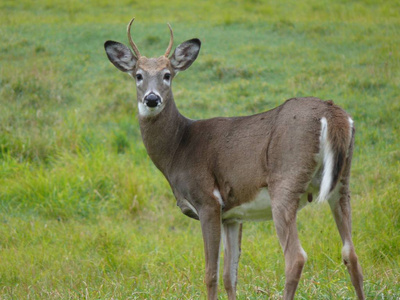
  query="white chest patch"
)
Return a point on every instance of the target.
[{"x": 257, "y": 210}]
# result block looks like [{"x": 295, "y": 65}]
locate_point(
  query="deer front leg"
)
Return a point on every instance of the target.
[
  {"x": 210, "y": 219},
  {"x": 232, "y": 236}
]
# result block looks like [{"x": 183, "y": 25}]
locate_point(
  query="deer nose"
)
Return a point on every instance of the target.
[{"x": 152, "y": 100}]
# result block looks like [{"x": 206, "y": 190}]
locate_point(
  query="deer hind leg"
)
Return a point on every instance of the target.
[
  {"x": 284, "y": 209},
  {"x": 232, "y": 235},
  {"x": 341, "y": 211}
]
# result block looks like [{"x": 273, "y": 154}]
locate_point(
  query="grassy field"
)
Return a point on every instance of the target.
[{"x": 83, "y": 212}]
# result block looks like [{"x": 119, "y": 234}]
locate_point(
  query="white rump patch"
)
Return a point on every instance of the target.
[{"x": 328, "y": 161}]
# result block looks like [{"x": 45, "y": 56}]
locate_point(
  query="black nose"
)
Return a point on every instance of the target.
[{"x": 152, "y": 100}]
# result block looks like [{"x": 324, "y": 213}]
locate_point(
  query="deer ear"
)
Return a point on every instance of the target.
[
  {"x": 185, "y": 54},
  {"x": 120, "y": 56}
]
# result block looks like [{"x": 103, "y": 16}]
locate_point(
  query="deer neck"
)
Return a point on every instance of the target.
[{"x": 162, "y": 134}]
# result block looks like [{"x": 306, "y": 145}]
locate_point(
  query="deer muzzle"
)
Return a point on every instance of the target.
[{"x": 152, "y": 100}]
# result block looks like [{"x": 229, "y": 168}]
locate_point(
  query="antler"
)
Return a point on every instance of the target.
[
  {"x": 171, "y": 41},
  {"x": 135, "y": 49}
]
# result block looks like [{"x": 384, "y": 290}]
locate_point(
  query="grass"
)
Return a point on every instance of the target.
[{"x": 85, "y": 214}]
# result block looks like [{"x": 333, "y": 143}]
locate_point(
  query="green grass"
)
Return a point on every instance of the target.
[{"x": 83, "y": 212}]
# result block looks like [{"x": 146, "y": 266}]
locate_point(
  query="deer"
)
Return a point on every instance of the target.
[{"x": 225, "y": 171}]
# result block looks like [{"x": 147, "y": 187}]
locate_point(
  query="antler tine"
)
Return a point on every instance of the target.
[
  {"x": 171, "y": 41},
  {"x": 135, "y": 49}
]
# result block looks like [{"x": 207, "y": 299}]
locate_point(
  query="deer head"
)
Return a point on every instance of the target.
[{"x": 153, "y": 75}]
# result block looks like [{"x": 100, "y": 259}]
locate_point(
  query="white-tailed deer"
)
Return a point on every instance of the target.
[{"x": 224, "y": 171}]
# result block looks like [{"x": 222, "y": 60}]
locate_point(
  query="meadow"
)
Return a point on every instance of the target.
[{"x": 84, "y": 214}]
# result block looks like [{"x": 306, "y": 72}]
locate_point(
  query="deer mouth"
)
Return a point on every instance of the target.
[{"x": 150, "y": 106}]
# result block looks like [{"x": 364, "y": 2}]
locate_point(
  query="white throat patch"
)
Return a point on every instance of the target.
[{"x": 145, "y": 111}]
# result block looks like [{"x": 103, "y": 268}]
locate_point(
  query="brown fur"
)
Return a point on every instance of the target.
[{"x": 153, "y": 65}]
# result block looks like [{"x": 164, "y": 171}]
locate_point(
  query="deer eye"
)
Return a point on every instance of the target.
[
  {"x": 139, "y": 77},
  {"x": 167, "y": 76}
]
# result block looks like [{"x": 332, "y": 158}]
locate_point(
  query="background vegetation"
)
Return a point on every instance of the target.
[{"x": 83, "y": 212}]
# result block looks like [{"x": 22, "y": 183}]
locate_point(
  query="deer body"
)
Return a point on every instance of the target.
[
  {"x": 235, "y": 156},
  {"x": 224, "y": 171}
]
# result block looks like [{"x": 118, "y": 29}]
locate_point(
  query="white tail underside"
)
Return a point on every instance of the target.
[{"x": 328, "y": 161}]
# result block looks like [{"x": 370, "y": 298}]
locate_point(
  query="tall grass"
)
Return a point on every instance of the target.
[{"x": 85, "y": 214}]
